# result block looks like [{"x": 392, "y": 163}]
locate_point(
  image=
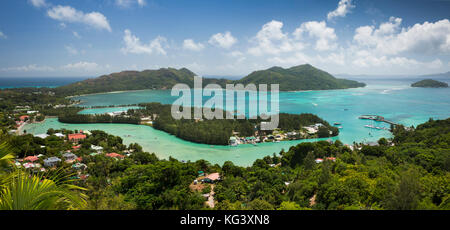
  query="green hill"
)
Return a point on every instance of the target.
[
  {"x": 164, "y": 78},
  {"x": 303, "y": 77},
  {"x": 430, "y": 83}
]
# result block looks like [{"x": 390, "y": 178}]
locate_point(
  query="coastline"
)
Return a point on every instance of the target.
[{"x": 111, "y": 92}]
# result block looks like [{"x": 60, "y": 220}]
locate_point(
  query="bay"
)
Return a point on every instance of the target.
[{"x": 393, "y": 99}]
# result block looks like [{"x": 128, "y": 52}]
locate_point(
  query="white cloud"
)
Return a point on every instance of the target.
[
  {"x": 28, "y": 68},
  {"x": 295, "y": 59},
  {"x": 397, "y": 62},
  {"x": 38, "y": 3},
  {"x": 325, "y": 36},
  {"x": 78, "y": 67},
  {"x": 134, "y": 45},
  {"x": 69, "y": 14},
  {"x": 272, "y": 40},
  {"x": 81, "y": 66},
  {"x": 390, "y": 39},
  {"x": 75, "y": 34},
  {"x": 2, "y": 35},
  {"x": 141, "y": 2},
  {"x": 344, "y": 7},
  {"x": 301, "y": 58},
  {"x": 128, "y": 3},
  {"x": 236, "y": 54},
  {"x": 71, "y": 50},
  {"x": 189, "y": 44},
  {"x": 223, "y": 40}
]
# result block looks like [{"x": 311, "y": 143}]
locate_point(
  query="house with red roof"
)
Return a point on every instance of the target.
[
  {"x": 76, "y": 137},
  {"x": 331, "y": 158},
  {"x": 213, "y": 176},
  {"x": 22, "y": 118},
  {"x": 115, "y": 155},
  {"x": 320, "y": 160},
  {"x": 31, "y": 158}
]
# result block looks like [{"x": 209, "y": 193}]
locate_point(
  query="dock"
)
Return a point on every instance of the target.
[{"x": 377, "y": 118}]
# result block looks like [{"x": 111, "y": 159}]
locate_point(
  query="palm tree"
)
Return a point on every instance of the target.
[
  {"x": 21, "y": 190},
  {"x": 5, "y": 154},
  {"x": 25, "y": 191}
]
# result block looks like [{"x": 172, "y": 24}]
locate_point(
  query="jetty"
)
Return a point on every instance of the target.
[{"x": 377, "y": 118}]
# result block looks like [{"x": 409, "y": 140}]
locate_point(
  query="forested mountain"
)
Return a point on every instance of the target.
[
  {"x": 164, "y": 78},
  {"x": 303, "y": 77},
  {"x": 430, "y": 83}
]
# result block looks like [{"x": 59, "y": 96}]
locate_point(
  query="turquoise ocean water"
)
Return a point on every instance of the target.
[{"x": 393, "y": 99}]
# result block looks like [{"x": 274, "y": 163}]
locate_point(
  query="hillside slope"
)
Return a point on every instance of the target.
[
  {"x": 303, "y": 77},
  {"x": 430, "y": 83}
]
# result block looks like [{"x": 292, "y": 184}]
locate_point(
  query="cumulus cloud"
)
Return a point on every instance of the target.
[
  {"x": 395, "y": 62},
  {"x": 344, "y": 7},
  {"x": 70, "y": 14},
  {"x": 81, "y": 66},
  {"x": 225, "y": 40},
  {"x": 390, "y": 39},
  {"x": 272, "y": 40},
  {"x": 2, "y": 35},
  {"x": 325, "y": 36},
  {"x": 38, "y": 3},
  {"x": 128, "y": 3},
  {"x": 189, "y": 44},
  {"x": 134, "y": 45}
]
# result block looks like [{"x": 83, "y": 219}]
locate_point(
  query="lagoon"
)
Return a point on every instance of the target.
[{"x": 393, "y": 99}]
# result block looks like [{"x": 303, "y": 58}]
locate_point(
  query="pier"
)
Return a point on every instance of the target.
[{"x": 377, "y": 118}]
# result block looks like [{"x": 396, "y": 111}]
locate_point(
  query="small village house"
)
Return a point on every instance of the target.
[
  {"x": 76, "y": 137},
  {"x": 115, "y": 155},
  {"x": 52, "y": 161}
]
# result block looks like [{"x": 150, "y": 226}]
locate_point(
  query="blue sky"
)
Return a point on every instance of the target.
[{"x": 226, "y": 38}]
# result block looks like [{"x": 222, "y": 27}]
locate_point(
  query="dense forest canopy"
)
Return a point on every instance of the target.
[
  {"x": 430, "y": 83},
  {"x": 302, "y": 77},
  {"x": 207, "y": 131},
  {"x": 409, "y": 172}
]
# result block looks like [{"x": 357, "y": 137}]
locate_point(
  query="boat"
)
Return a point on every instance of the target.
[
  {"x": 340, "y": 127},
  {"x": 337, "y": 123}
]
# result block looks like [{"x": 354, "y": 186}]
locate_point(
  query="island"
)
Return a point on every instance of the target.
[
  {"x": 213, "y": 131},
  {"x": 430, "y": 83},
  {"x": 297, "y": 78}
]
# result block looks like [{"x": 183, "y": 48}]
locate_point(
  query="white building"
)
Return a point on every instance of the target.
[
  {"x": 59, "y": 135},
  {"x": 43, "y": 135}
]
